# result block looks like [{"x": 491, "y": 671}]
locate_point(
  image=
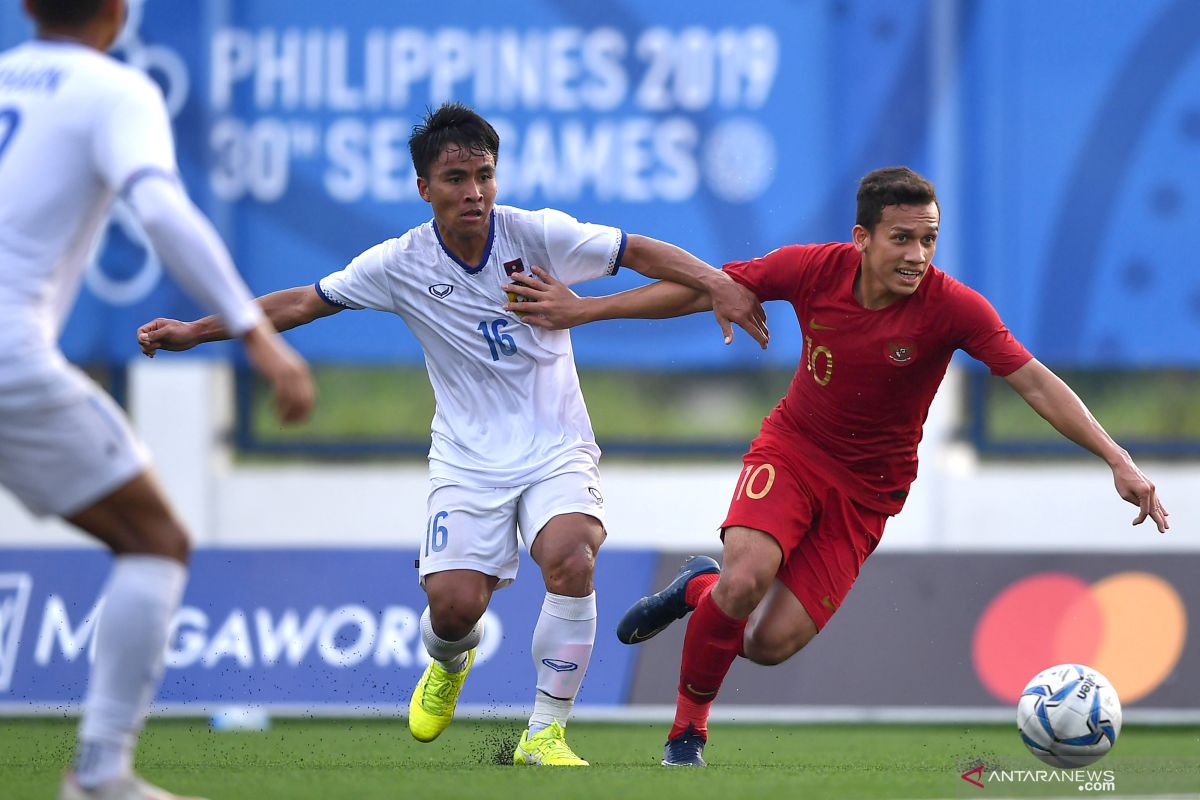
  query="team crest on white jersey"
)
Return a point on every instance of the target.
[
  {"x": 15, "y": 588},
  {"x": 441, "y": 290}
]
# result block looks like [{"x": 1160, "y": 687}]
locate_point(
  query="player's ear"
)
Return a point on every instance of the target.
[
  {"x": 423, "y": 188},
  {"x": 860, "y": 235}
]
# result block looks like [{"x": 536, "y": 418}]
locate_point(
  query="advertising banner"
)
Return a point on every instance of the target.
[
  {"x": 301, "y": 629},
  {"x": 1055, "y": 132},
  {"x": 937, "y": 631},
  {"x": 335, "y": 631}
]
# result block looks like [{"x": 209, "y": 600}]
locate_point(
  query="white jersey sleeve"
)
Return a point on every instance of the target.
[
  {"x": 363, "y": 283},
  {"x": 192, "y": 250},
  {"x": 580, "y": 251},
  {"x": 134, "y": 137}
]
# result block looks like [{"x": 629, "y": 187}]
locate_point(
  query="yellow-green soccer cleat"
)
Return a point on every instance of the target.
[
  {"x": 434, "y": 699},
  {"x": 546, "y": 748}
]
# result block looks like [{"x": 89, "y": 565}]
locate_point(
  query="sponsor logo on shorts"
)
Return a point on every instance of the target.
[
  {"x": 15, "y": 588},
  {"x": 594, "y": 492},
  {"x": 558, "y": 665}
]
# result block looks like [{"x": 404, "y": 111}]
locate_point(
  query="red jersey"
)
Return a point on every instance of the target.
[{"x": 866, "y": 378}]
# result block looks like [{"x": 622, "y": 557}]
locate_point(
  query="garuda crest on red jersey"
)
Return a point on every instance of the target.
[{"x": 901, "y": 351}]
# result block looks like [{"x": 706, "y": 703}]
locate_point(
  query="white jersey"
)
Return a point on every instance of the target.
[
  {"x": 509, "y": 408},
  {"x": 76, "y": 128}
]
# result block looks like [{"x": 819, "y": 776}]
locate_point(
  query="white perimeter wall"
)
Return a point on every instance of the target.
[{"x": 183, "y": 409}]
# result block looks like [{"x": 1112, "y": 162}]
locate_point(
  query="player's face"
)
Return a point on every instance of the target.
[
  {"x": 462, "y": 190},
  {"x": 896, "y": 254}
]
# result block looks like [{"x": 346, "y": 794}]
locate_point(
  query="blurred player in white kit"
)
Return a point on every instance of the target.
[{"x": 78, "y": 128}]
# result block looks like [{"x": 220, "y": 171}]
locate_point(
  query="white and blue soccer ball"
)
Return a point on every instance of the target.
[{"x": 1069, "y": 716}]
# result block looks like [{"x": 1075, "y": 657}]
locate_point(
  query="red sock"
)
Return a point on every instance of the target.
[
  {"x": 710, "y": 645},
  {"x": 698, "y": 587}
]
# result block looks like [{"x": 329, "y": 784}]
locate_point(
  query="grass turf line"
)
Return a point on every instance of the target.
[{"x": 377, "y": 758}]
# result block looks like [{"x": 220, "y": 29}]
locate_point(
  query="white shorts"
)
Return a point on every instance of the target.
[
  {"x": 60, "y": 458},
  {"x": 475, "y": 528}
]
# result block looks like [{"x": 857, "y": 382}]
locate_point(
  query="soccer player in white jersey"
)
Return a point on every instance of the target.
[
  {"x": 512, "y": 448},
  {"x": 76, "y": 129}
]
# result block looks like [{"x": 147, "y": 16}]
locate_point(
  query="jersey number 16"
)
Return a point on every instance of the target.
[{"x": 500, "y": 344}]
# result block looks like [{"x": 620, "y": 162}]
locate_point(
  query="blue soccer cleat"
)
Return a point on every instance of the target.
[
  {"x": 685, "y": 750},
  {"x": 649, "y": 616}
]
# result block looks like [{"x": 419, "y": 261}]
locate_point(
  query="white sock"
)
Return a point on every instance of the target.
[
  {"x": 140, "y": 599},
  {"x": 451, "y": 655},
  {"x": 564, "y": 636}
]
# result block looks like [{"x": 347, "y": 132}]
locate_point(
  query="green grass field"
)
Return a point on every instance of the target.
[{"x": 376, "y": 758}]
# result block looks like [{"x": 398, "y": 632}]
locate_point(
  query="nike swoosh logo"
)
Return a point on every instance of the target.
[
  {"x": 816, "y": 326},
  {"x": 637, "y": 636},
  {"x": 696, "y": 691}
]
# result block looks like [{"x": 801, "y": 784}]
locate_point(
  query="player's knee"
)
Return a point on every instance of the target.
[
  {"x": 741, "y": 590},
  {"x": 570, "y": 572},
  {"x": 160, "y": 537},
  {"x": 453, "y": 615}
]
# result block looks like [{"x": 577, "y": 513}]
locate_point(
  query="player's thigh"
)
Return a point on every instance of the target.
[
  {"x": 135, "y": 518},
  {"x": 471, "y": 528},
  {"x": 778, "y": 628},
  {"x": 561, "y": 520},
  {"x": 824, "y": 567},
  {"x": 771, "y": 512}
]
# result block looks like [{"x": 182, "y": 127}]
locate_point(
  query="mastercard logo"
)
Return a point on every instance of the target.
[{"x": 1130, "y": 626}]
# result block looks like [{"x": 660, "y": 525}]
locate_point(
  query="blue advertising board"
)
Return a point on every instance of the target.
[
  {"x": 1057, "y": 134},
  {"x": 297, "y": 628}
]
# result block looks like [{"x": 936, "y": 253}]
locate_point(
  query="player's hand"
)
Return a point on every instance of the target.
[
  {"x": 1134, "y": 487},
  {"x": 166, "y": 334},
  {"x": 546, "y": 302},
  {"x": 732, "y": 304},
  {"x": 285, "y": 371}
]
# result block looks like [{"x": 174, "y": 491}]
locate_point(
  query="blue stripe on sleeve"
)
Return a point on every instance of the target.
[
  {"x": 145, "y": 172},
  {"x": 620, "y": 253},
  {"x": 330, "y": 299}
]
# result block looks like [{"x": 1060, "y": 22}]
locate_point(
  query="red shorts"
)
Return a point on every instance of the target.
[{"x": 824, "y": 534}]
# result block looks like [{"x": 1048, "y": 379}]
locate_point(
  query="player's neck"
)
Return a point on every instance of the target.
[
  {"x": 467, "y": 249},
  {"x": 88, "y": 36},
  {"x": 871, "y": 297}
]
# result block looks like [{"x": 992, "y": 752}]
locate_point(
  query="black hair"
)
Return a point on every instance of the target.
[
  {"x": 64, "y": 13},
  {"x": 452, "y": 124},
  {"x": 891, "y": 186}
]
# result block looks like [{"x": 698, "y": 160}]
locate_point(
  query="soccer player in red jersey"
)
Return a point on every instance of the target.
[{"x": 836, "y": 456}]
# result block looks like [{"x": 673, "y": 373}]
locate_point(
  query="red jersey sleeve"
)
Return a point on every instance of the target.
[
  {"x": 983, "y": 335},
  {"x": 775, "y": 276}
]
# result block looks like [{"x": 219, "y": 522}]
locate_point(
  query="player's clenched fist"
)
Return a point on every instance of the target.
[{"x": 166, "y": 334}]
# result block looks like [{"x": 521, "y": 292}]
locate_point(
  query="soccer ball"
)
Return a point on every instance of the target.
[{"x": 1069, "y": 716}]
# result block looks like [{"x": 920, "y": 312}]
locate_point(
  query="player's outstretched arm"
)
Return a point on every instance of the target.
[
  {"x": 547, "y": 302},
  {"x": 731, "y": 303},
  {"x": 283, "y": 369},
  {"x": 284, "y": 310},
  {"x": 1054, "y": 400}
]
